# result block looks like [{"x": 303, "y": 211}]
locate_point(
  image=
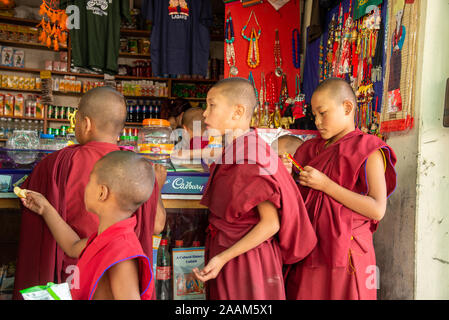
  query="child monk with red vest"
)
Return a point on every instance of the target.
[
  {"x": 257, "y": 219},
  {"x": 62, "y": 177},
  {"x": 112, "y": 264},
  {"x": 348, "y": 176}
]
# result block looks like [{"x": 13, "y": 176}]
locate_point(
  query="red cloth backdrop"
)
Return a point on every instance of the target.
[{"x": 285, "y": 20}]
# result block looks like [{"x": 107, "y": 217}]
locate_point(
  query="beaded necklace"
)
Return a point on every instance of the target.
[
  {"x": 277, "y": 56},
  {"x": 253, "y": 59},
  {"x": 230, "y": 52},
  {"x": 271, "y": 91},
  {"x": 296, "y": 48}
]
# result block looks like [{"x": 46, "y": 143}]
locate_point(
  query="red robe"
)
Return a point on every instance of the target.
[
  {"x": 342, "y": 265},
  {"x": 244, "y": 179},
  {"x": 198, "y": 143},
  {"x": 62, "y": 177},
  {"x": 116, "y": 244}
]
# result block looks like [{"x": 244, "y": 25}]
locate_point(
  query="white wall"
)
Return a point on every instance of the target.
[{"x": 432, "y": 232}]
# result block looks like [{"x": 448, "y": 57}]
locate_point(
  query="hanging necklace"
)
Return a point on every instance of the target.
[
  {"x": 261, "y": 95},
  {"x": 253, "y": 50},
  {"x": 283, "y": 96},
  {"x": 251, "y": 79},
  {"x": 296, "y": 48},
  {"x": 277, "y": 56},
  {"x": 230, "y": 52},
  {"x": 272, "y": 91}
]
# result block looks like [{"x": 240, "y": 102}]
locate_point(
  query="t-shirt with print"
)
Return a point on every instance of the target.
[
  {"x": 180, "y": 37},
  {"x": 96, "y": 43}
]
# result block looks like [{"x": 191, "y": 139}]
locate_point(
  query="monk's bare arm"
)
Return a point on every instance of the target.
[
  {"x": 267, "y": 227},
  {"x": 124, "y": 280},
  {"x": 161, "y": 176},
  {"x": 372, "y": 205},
  {"x": 159, "y": 223},
  {"x": 64, "y": 235}
]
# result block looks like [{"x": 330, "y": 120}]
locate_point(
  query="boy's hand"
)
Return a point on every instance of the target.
[
  {"x": 36, "y": 202},
  {"x": 161, "y": 174},
  {"x": 312, "y": 178},
  {"x": 210, "y": 271},
  {"x": 287, "y": 163}
]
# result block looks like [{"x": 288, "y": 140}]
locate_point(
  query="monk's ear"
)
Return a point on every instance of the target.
[
  {"x": 104, "y": 193},
  {"x": 88, "y": 125},
  {"x": 239, "y": 112},
  {"x": 348, "y": 106}
]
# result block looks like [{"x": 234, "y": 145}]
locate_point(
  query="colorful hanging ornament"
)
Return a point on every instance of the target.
[
  {"x": 230, "y": 51},
  {"x": 299, "y": 102},
  {"x": 255, "y": 117},
  {"x": 272, "y": 91},
  {"x": 277, "y": 56},
  {"x": 296, "y": 48},
  {"x": 253, "y": 59},
  {"x": 53, "y": 24}
]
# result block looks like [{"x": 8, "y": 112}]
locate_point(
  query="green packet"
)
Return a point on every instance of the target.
[{"x": 49, "y": 292}]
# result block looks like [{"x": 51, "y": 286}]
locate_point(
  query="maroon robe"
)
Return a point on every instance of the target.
[
  {"x": 62, "y": 177},
  {"x": 115, "y": 244},
  {"x": 342, "y": 265},
  {"x": 245, "y": 178}
]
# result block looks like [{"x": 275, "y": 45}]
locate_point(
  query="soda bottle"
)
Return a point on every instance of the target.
[
  {"x": 163, "y": 272},
  {"x": 130, "y": 111},
  {"x": 150, "y": 111},
  {"x": 137, "y": 113},
  {"x": 179, "y": 243},
  {"x": 144, "y": 112}
]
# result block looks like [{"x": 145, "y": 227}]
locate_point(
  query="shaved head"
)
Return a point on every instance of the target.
[
  {"x": 128, "y": 176},
  {"x": 106, "y": 108},
  {"x": 337, "y": 90},
  {"x": 191, "y": 115},
  {"x": 288, "y": 143},
  {"x": 238, "y": 91}
]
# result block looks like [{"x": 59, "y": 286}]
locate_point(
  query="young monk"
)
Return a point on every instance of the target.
[
  {"x": 257, "y": 220},
  {"x": 287, "y": 143},
  {"x": 112, "y": 264},
  {"x": 192, "y": 117},
  {"x": 347, "y": 178},
  {"x": 62, "y": 177}
]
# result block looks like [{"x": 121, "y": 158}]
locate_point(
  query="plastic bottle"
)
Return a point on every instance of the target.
[
  {"x": 163, "y": 272},
  {"x": 179, "y": 243},
  {"x": 137, "y": 113}
]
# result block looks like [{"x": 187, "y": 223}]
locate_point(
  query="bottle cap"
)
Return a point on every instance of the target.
[
  {"x": 179, "y": 243},
  {"x": 156, "y": 122}
]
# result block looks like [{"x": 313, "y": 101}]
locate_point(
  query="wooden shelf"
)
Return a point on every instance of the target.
[
  {"x": 57, "y": 120},
  {"x": 21, "y": 90},
  {"x": 22, "y": 118},
  {"x": 135, "y": 33},
  {"x": 146, "y": 97},
  {"x": 187, "y": 80},
  {"x": 32, "y": 70},
  {"x": 30, "y": 45},
  {"x": 135, "y": 55},
  {"x": 19, "y": 21},
  {"x": 190, "y": 98}
]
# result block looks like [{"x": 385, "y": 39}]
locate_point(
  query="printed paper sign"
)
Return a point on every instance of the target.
[{"x": 185, "y": 285}]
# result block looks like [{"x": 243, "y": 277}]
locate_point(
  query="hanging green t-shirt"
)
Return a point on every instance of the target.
[{"x": 96, "y": 44}]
